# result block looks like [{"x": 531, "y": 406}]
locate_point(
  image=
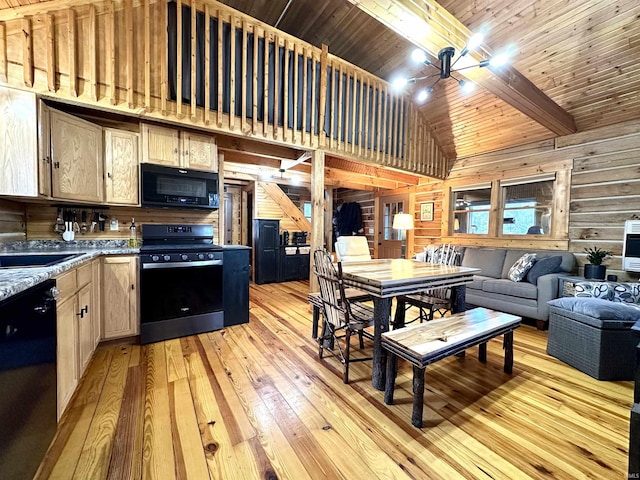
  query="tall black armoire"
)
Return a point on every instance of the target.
[{"x": 266, "y": 245}]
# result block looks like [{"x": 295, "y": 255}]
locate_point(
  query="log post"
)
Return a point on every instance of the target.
[{"x": 317, "y": 211}]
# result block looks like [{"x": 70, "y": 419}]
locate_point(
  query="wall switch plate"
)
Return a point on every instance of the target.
[{"x": 371, "y": 231}]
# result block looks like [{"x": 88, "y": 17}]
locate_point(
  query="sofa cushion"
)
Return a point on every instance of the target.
[
  {"x": 477, "y": 282},
  {"x": 521, "y": 267},
  {"x": 488, "y": 260},
  {"x": 542, "y": 267},
  {"x": 568, "y": 260},
  {"x": 507, "y": 287},
  {"x": 596, "y": 311}
]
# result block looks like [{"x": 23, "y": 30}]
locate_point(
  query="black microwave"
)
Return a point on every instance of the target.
[{"x": 178, "y": 187}]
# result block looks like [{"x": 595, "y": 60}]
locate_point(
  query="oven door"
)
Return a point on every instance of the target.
[{"x": 178, "y": 299}]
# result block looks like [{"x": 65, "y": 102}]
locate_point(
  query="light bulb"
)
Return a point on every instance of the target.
[
  {"x": 499, "y": 60},
  {"x": 467, "y": 87},
  {"x": 399, "y": 83},
  {"x": 418, "y": 56},
  {"x": 475, "y": 41},
  {"x": 422, "y": 95}
]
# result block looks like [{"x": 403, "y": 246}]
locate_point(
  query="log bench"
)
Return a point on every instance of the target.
[{"x": 429, "y": 342}]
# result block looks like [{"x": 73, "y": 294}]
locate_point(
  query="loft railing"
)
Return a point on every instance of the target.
[{"x": 203, "y": 64}]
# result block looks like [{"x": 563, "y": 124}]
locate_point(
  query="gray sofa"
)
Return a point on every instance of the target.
[{"x": 493, "y": 289}]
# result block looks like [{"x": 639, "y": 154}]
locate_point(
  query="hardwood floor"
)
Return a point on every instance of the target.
[{"x": 255, "y": 402}]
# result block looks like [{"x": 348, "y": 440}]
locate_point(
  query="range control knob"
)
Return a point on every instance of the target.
[
  {"x": 201, "y": 256},
  {"x": 166, "y": 258},
  {"x": 184, "y": 257},
  {"x": 155, "y": 258},
  {"x": 211, "y": 256}
]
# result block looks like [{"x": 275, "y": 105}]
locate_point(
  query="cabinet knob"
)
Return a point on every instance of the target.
[
  {"x": 56, "y": 164},
  {"x": 186, "y": 152},
  {"x": 108, "y": 174},
  {"x": 46, "y": 160},
  {"x": 133, "y": 287}
]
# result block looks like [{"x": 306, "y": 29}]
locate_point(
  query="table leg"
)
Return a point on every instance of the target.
[
  {"x": 418, "y": 396},
  {"x": 381, "y": 314},
  {"x": 392, "y": 371},
  {"x": 508, "y": 352},
  {"x": 399, "y": 317},
  {"x": 458, "y": 302},
  {"x": 315, "y": 321},
  {"x": 482, "y": 352}
]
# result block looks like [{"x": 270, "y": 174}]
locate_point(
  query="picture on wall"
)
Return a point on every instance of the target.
[{"x": 426, "y": 211}]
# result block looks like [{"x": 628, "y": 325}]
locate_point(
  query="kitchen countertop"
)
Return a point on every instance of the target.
[{"x": 16, "y": 280}]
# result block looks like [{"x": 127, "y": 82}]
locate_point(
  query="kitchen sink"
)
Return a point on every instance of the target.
[{"x": 34, "y": 259}]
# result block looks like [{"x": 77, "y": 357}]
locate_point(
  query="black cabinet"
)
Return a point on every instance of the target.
[
  {"x": 266, "y": 244},
  {"x": 235, "y": 286},
  {"x": 294, "y": 267}
]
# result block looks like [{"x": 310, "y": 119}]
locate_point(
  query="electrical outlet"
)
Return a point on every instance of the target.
[{"x": 371, "y": 231}]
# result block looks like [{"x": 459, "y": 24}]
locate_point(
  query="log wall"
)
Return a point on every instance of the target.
[
  {"x": 114, "y": 55},
  {"x": 597, "y": 178}
]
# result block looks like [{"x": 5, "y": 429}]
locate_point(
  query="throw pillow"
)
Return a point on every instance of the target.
[
  {"x": 542, "y": 267},
  {"x": 519, "y": 269}
]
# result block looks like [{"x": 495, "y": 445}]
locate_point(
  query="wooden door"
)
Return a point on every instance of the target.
[
  {"x": 76, "y": 152},
  {"x": 119, "y": 297},
  {"x": 390, "y": 240},
  {"x": 19, "y": 151},
  {"x": 121, "y": 167},
  {"x": 199, "y": 151},
  {"x": 66, "y": 353},
  {"x": 160, "y": 145},
  {"x": 44, "y": 151},
  {"x": 84, "y": 328}
]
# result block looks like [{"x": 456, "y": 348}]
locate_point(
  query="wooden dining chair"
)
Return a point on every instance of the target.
[
  {"x": 433, "y": 300},
  {"x": 340, "y": 316}
]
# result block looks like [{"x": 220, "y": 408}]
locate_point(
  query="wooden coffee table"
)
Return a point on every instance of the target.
[{"x": 429, "y": 342}]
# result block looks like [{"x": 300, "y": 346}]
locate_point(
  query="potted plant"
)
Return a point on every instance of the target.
[{"x": 594, "y": 269}]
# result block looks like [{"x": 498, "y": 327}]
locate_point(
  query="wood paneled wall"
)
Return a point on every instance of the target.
[
  {"x": 366, "y": 199},
  {"x": 113, "y": 55},
  {"x": 12, "y": 221},
  {"x": 598, "y": 174},
  {"x": 41, "y": 221}
]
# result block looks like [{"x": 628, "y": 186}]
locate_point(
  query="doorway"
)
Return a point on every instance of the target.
[{"x": 390, "y": 240}]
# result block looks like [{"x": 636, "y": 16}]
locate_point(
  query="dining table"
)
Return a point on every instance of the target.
[{"x": 387, "y": 278}]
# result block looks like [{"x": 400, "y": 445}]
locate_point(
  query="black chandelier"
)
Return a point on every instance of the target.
[{"x": 446, "y": 70}]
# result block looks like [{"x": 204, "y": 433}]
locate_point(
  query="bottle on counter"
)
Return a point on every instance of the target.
[{"x": 133, "y": 234}]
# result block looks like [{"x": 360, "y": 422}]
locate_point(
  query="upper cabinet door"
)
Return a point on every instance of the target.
[
  {"x": 160, "y": 145},
  {"x": 18, "y": 143},
  {"x": 44, "y": 149},
  {"x": 199, "y": 151},
  {"x": 121, "y": 167},
  {"x": 76, "y": 152}
]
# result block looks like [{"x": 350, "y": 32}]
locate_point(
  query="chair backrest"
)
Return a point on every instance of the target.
[
  {"x": 445, "y": 254},
  {"x": 335, "y": 307},
  {"x": 534, "y": 230},
  {"x": 352, "y": 249}
]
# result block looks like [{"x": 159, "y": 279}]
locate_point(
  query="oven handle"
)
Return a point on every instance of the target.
[{"x": 202, "y": 263}]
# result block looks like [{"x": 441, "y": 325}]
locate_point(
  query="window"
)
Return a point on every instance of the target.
[
  {"x": 471, "y": 208},
  {"x": 389, "y": 210},
  {"x": 306, "y": 210},
  {"x": 526, "y": 206}
]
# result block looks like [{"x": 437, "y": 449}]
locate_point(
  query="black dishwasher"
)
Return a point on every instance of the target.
[{"x": 27, "y": 379}]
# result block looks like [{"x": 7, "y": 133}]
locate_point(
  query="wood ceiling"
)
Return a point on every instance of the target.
[{"x": 583, "y": 55}]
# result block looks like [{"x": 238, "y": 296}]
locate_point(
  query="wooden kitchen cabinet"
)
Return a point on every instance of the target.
[
  {"x": 119, "y": 296},
  {"x": 19, "y": 152},
  {"x": 76, "y": 155},
  {"x": 44, "y": 150},
  {"x": 75, "y": 310},
  {"x": 172, "y": 147},
  {"x": 120, "y": 167},
  {"x": 96, "y": 317}
]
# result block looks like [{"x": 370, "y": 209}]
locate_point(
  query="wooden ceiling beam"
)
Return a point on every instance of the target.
[
  {"x": 428, "y": 25},
  {"x": 256, "y": 149},
  {"x": 371, "y": 171}
]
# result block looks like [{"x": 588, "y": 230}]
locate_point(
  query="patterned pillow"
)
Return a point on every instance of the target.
[
  {"x": 594, "y": 290},
  {"x": 519, "y": 269}
]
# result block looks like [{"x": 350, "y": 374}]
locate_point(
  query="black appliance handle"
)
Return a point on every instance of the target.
[{"x": 202, "y": 263}]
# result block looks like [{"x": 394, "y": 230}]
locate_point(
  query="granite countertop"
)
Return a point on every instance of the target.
[{"x": 16, "y": 280}]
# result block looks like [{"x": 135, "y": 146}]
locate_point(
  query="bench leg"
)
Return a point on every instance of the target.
[
  {"x": 482, "y": 352},
  {"x": 418, "y": 396},
  {"x": 508, "y": 352},
  {"x": 392, "y": 371},
  {"x": 315, "y": 321}
]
